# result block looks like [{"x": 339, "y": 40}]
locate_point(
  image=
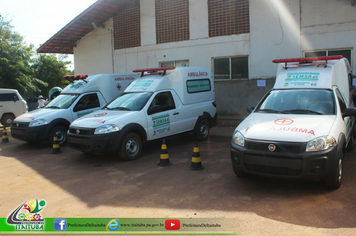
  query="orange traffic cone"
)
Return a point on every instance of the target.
[
  {"x": 164, "y": 157},
  {"x": 196, "y": 160}
]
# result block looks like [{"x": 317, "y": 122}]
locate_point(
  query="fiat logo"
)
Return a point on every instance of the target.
[
  {"x": 283, "y": 121},
  {"x": 272, "y": 147},
  {"x": 77, "y": 131}
]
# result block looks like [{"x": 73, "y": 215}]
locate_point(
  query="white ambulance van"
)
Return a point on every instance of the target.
[
  {"x": 302, "y": 127},
  {"x": 11, "y": 106},
  {"x": 84, "y": 95},
  {"x": 165, "y": 101}
]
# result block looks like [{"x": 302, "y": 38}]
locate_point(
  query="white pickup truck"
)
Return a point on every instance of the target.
[
  {"x": 163, "y": 102},
  {"x": 84, "y": 95},
  {"x": 302, "y": 127}
]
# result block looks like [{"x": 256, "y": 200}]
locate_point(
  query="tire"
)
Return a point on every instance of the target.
[
  {"x": 335, "y": 179},
  {"x": 131, "y": 147},
  {"x": 237, "y": 172},
  {"x": 61, "y": 133},
  {"x": 350, "y": 145},
  {"x": 7, "y": 120},
  {"x": 202, "y": 130}
]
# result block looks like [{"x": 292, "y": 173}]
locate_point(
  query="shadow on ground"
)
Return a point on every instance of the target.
[{"x": 104, "y": 180}]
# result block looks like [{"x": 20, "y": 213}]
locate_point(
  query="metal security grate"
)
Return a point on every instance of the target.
[
  {"x": 127, "y": 32},
  {"x": 172, "y": 20},
  {"x": 228, "y": 17}
]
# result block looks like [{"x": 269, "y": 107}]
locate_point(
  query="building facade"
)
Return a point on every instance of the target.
[{"x": 237, "y": 39}]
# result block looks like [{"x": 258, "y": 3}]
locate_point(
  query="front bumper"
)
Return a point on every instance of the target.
[
  {"x": 21, "y": 131},
  {"x": 85, "y": 140},
  {"x": 289, "y": 160}
]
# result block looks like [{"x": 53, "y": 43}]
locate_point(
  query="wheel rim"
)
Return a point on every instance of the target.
[
  {"x": 132, "y": 147},
  {"x": 203, "y": 130},
  {"x": 9, "y": 121},
  {"x": 60, "y": 135},
  {"x": 340, "y": 171}
]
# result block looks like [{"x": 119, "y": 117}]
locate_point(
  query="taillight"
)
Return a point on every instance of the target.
[{"x": 214, "y": 103}]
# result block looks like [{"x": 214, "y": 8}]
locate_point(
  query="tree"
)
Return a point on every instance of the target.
[
  {"x": 50, "y": 69},
  {"x": 15, "y": 59}
]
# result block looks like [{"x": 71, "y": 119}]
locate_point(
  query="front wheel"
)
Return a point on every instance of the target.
[
  {"x": 61, "y": 133},
  {"x": 202, "y": 130},
  {"x": 7, "y": 120},
  {"x": 335, "y": 179},
  {"x": 131, "y": 147}
]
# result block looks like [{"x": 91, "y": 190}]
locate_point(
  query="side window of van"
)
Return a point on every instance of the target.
[
  {"x": 87, "y": 102},
  {"x": 8, "y": 97},
  {"x": 341, "y": 101},
  {"x": 165, "y": 100}
]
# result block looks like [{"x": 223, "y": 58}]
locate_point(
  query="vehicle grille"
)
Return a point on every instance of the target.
[
  {"x": 20, "y": 124},
  {"x": 82, "y": 131},
  {"x": 273, "y": 170},
  {"x": 280, "y": 147}
]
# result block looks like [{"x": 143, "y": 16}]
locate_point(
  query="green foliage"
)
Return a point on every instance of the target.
[
  {"x": 20, "y": 70},
  {"x": 50, "y": 69}
]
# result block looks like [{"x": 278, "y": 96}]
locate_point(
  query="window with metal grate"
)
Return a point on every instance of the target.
[
  {"x": 127, "y": 32},
  {"x": 228, "y": 17},
  {"x": 172, "y": 20}
]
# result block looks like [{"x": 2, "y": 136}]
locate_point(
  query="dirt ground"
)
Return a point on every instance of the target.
[{"x": 77, "y": 185}]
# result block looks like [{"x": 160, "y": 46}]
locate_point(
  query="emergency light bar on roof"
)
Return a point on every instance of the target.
[
  {"x": 307, "y": 59},
  {"x": 76, "y": 77},
  {"x": 164, "y": 69}
]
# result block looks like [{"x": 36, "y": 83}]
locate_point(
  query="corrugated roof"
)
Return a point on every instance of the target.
[{"x": 64, "y": 41}]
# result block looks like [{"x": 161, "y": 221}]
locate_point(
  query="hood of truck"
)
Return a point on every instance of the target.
[
  {"x": 104, "y": 117},
  {"x": 47, "y": 114},
  {"x": 286, "y": 127}
]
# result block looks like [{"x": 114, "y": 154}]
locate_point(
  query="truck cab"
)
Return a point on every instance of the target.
[
  {"x": 84, "y": 95},
  {"x": 163, "y": 102},
  {"x": 302, "y": 127}
]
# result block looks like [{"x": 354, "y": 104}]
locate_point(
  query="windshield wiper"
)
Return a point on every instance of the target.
[
  {"x": 271, "y": 111},
  {"x": 305, "y": 111},
  {"x": 121, "y": 108},
  {"x": 107, "y": 108},
  {"x": 53, "y": 107}
]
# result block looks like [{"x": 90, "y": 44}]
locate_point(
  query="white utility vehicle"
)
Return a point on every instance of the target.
[
  {"x": 84, "y": 95},
  {"x": 302, "y": 127},
  {"x": 11, "y": 106},
  {"x": 164, "y": 102}
]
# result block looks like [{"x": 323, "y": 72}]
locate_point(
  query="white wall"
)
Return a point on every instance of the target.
[
  {"x": 278, "y": 29},
  {"x": 274, "y": 33},
  {"x": 329, "y": 24},
  {"x": 93, "y": 54}
]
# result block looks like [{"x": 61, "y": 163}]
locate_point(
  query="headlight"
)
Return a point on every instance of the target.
[
  {"x": 37, "y": 123},
  {"x": 106, "y": 129},
  {"x": 238, "y": 138},
  {"x": 321, "y": 143}
]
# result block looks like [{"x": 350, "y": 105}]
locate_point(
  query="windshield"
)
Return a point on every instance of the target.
[
  {"x": 63, "y": 101},
  {"x": 298, "y": 101},
  {"x": 129, "y": 102}
]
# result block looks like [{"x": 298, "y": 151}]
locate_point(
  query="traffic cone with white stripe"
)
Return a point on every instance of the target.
[
  {"x": 164, "y": 157},
  {"x": 56, "y": 147},
  {"x": 196, "y": 160},
  {"x": 5, "y": 138}
]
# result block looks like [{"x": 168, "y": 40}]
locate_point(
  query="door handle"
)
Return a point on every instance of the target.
[{"x": 176, "y": 113}]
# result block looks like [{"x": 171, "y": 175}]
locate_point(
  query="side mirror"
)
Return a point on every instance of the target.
[
  {"x": 250, "y": 109},
  {"x": 349, "y": 112},
  {"x": 15, "y": 98},
  {"x": 154, "y": 109},
  {"x": 78, "y": 107}
]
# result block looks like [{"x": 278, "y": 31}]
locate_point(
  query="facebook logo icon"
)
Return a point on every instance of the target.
[{"x": 60, "y": 224}]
